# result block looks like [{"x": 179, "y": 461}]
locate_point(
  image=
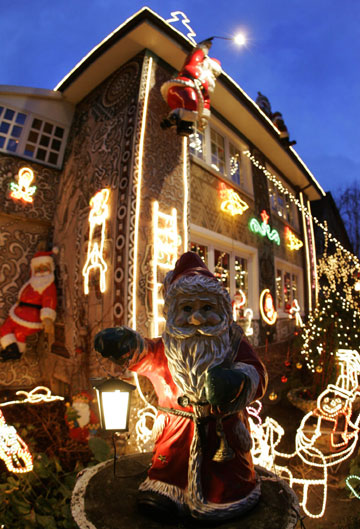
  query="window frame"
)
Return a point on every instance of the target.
[
  {"x": 24, "y": 135},
  {"x": 230, "y": 139},
  {"x": 274, "y": 197},
  {"x": 288, "y": 268},
  {"x": 215, "y": 241}
]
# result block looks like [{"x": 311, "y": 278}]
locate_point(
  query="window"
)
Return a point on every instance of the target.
[
  {"x": 287, "y": 288},
  {"x": 11, "y": 126},
  {"x": 31, "y": 137},
  {"x": 44, "y": 141},
  {"x": 229, "y": 267},
  {"x": 222, "y": 151},
  {"x": 281, "y": 203},
  {"x": 217, "y": 151},
  {"x": 197, "y": 144},
  {"x": 235, "y": 173}
]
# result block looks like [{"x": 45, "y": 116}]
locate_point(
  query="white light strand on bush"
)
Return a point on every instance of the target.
[
  {"x": 13, "y": 450},
  {"x": 272, "y": 178},
  {"x": 35, "y": 396}
]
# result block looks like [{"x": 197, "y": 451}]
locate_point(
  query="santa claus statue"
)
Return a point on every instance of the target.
[
  {"x": 34, "y": 310},
  {"x": 188, "y": 95},
  {"x": 204, "y": 374}
]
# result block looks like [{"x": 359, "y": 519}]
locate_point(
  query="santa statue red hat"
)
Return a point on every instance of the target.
[{"x": 34, "y": 310}]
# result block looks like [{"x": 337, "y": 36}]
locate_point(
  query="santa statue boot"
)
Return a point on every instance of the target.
[
  {"x": 185, "y": 128},
  {"x": 157, "y": 506},
  {"x": 11, "y": 352}
]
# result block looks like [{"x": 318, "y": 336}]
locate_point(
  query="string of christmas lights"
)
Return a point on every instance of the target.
[{"x": 272, "y": 178}]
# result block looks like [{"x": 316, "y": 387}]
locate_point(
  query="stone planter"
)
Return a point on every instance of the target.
[{"x": 299, "y": 402}]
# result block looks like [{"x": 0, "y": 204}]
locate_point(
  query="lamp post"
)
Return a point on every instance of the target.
[{"x": 113, "y": 396}]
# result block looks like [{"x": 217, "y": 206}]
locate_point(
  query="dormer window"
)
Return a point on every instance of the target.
[{"x": 30, "y": 136}]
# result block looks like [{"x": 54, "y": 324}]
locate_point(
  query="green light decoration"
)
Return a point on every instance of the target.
[{"x": 264, "y": 229}]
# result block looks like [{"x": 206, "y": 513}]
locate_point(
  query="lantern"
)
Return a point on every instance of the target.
[{"x": 113, "y": 396}]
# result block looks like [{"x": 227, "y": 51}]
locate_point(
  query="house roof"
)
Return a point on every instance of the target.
[{"x": 147, "y": 30}]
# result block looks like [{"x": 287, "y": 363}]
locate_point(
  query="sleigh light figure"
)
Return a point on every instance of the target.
[{"x": 99, "y": 212}]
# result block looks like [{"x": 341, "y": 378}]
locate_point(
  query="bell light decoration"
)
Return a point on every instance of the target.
[{"x": 113, "y": 396}]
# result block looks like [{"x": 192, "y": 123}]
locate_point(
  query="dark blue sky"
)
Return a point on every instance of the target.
[{"x": 304, "y": 55}]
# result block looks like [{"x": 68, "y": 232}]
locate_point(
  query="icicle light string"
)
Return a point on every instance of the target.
[{"x": 272, "y": 178}]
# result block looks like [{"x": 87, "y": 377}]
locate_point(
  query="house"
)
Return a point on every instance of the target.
[{"x": 122, "y": 198}]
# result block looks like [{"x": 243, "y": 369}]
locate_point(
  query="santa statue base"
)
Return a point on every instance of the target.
[{"x": 101, "y": 500}]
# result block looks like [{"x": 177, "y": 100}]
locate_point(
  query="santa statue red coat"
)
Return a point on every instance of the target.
[
  {"x": 188, "y": 94},
  {"x": 178, "y": 470},
  {"x": 36, "y": 302},
  {"x": 200, "y": 343}
]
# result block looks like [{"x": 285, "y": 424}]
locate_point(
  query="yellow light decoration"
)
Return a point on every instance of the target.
[
  {"x": 138, "y": 188},
  {"x": 267, "y": 309},
  {"x": 273, "y": 396},
  {"x": 299, "y": 365},
  {"x": 294, "y": 312},
  {"x": 23, "y": 190},
  {"x": 186, "y": 193},
  {"x": 35, "y": 396},
  {"x": 231, "y": 203},
  {"x": 13, "y": 450},
  {"x": 292, "y": 241},
  {"x": 319, "y": 369},
  {"x": 99, "y": 212},
  {"x": 185, "y": 21},
  {"x": 165, "y": 237}
]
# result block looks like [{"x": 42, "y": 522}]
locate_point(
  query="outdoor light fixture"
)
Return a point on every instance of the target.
[{"x": 113, "y": 396}]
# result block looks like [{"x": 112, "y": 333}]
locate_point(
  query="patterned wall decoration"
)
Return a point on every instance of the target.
[
  {"x": 162, "y": 180},
  {"x": 98, "y": 155},
  {"x": 22, "y": 228},
  {"x": 206, "y": 211},
  {"x": 46, "y": 181}
]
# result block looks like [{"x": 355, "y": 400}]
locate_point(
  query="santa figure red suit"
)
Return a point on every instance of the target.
[
  {"x": 204, "y": 374},
  {"x": 188, "y": 95},
  {"x": 34, "y": 310}
]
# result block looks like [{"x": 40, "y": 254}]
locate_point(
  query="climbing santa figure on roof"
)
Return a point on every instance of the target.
[
  {"x": 188, "y": 94},
  {"x": 34, "y": 310},
  {"x": 204, "y": 373}
]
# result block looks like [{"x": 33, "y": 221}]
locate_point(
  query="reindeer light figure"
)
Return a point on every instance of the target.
[{"x": 99, "y": 212}]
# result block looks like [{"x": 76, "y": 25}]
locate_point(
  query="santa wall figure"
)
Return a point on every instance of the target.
[
  {"x": 188, "y": 95},
  {"x": 205, "y": 374},
  {"x": 34, "y": 310},
  {"x": 80, "y": 418}
]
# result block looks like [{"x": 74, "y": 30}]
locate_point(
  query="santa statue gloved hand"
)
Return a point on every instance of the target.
[
  {"x": 204, "y": 374},
  {"x": 35, "y": 309}
]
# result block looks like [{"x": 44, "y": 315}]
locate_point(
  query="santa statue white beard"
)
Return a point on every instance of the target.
[
  {"x": 41, "y": 281},
  {"x": 189, "y": 357}
]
